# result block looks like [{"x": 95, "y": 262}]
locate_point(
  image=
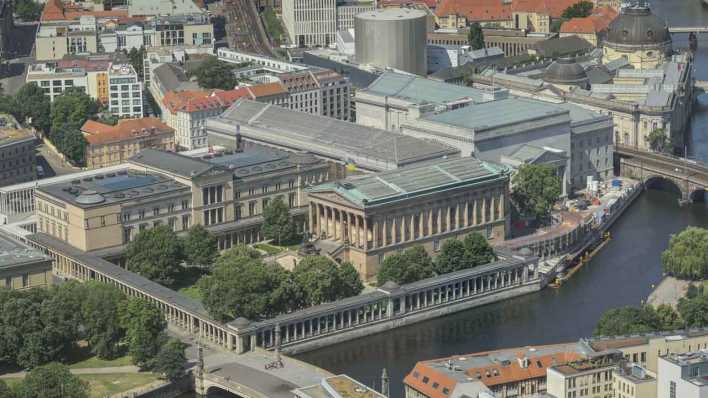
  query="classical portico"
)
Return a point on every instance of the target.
[{"x": 365, "y": 218}]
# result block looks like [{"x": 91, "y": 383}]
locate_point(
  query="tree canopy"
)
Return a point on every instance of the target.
[
  {"x": 659, "y": 141},
  {"x": 277, "y": 222},
  {"x": 476, "y": 36},
  {"x": 535, "y": 188},
  {"x": 628, "y": 320},
  {"x": 687, "y": 255},
  {"x": 170, "y": 360},
  {"x": 101, "y": 319},
  {"x": 144, "y": 326},
  {"x": 28, "y": 10},
  {"x": 580, "y": 9},
  {"x": 411, "y": 265},
  {"x": 53, "y": 380},
  {"x": 213, "y": 73},
  {"x": 71, "y": 109},
  {"x": 35, "y": 107},
  {"x": 456, "y": 255},
  {"x": 156, "y": 254},
  {"x": 322, "y": 280},
  {"x": 200, "y": 246}
]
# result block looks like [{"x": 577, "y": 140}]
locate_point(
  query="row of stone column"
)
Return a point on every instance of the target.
[
  {"x": 476, "y": 285},
  {"x": 338, "y": 224},
  {"x": 323, "y": 324},
  {"x": 17, "y": 202}
]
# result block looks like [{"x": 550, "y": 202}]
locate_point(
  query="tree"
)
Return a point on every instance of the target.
[
  {"x": 135, "y": 57},
  {"x": 53, "y": 380},
  {"x": 694, "y": 312},
  {"x": 535, "y": 190},
  {"x": 668, "y": 318},
  {"x": 101, "y": 319},
  {"x": 5, "y": 391},
  {"x": 144, "y": 327},
  {"x": 213, "y": 73},
  {"x": 61, "y": 314},
  {"x": 156, "y": 254},
  {"x": 71, "y": 143},
  {"x": 451, "y": 258},
  {"x": 412, "y": 265},
  {"x": 477, "y": 250},
  {"x": 687, "y": 255},
  {"x": 659, "y": 141},
  {"x": 71, "y": 109},
  {"x": 35, "y": 107},
  {"x": 277, "y": 222},
  {"x": 580, "y": 9},
  {"x": 476, "y": 36},
  {"x": 321, "y": 280},
  {"x": 200, "y": 246},
  {"x": 627, "y": 320},
  {"x": 28, "y": 10},
  {"x": 242, "y": 286},
  {"x": 170, "y": 360}
]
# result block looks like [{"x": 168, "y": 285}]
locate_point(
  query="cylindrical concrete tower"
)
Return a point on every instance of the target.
[{"x": 392, "y": 37}]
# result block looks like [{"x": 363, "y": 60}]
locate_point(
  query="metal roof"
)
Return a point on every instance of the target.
[
  {"x": 497, "y": 113},
  {"x": 171, "y": 162},
  {"x": 413, "y": 181},
  {"x": 14, "y": 253},
  {"x": 369, "y": 147},
  {"x": 421, "y": 90}
]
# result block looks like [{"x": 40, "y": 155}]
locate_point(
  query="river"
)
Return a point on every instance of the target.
[{"x": 621, "y": 274}]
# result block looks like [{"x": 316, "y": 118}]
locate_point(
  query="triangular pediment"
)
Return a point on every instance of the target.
[{"x": 335, "y": 197}]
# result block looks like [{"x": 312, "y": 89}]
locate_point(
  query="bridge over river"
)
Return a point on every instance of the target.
[{"x": 690, "y": 177}]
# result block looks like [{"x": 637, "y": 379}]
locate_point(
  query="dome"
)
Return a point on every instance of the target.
[
  {"x": 639, "y": 27},
  {"x": 240, "y": 322},
  {"x": 566, "y": 71},
  {"x": 90, "y": 198},
  {"x": 526, "y": 252}
]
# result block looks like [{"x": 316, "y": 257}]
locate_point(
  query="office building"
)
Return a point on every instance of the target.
[
  {"x": 21, "y": 266},
  {"x": 17, "y": 152},
  {"x": 125, "y": 91},
  {"x": 377, "y": 215},
  {"x": 108, "y": 145},
  {"x": 310, "y": 23}
]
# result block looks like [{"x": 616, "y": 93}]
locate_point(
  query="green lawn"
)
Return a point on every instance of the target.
[
  {"x": 269, "y": 249},
  {"x": 83, "y": 358},
  {"x": 102, "y": 385},
  {"x": 191, "y": 292}
]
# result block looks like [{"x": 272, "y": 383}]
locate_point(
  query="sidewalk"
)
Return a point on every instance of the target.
[{"x": 83, "y": 371}]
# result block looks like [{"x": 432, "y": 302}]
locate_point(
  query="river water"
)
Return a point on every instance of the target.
[{"x": 621, "y": 274}]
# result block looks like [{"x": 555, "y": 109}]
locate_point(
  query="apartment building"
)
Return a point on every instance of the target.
[
  {"x": 590, "y": 377},
  {"x": 633, "y": 381},
  {"x": 54, "y": 40},
  {"x": 224, "y": 191},
  {"x": 318, "y": 91},
  {"x": 22, "y": 266},
  {"x": 108, "y": 79},
  {"x": 683, "y": 375},
  {"x": 17, "y": 152},
  {"x": 125, "y": 91},
  {"x": 187, "y": 111},
  {"x": 112, "y": 145}
]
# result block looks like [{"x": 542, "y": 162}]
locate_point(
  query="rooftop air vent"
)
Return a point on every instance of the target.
[
  {"x": 111, "y": 175},
  {"x": 122, "y": 172}
]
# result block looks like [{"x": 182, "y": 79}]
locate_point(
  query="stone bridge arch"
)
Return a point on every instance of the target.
[
  {"x": 213, "y": 383},
  {"x": 656, "y": 180}
]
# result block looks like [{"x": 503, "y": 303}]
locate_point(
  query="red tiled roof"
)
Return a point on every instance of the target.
[
  {"x": 200, "y": 100},
  {"x": 475, "y": 10},
  {"x": 56, "y": 10},
  {"x": 599, "y": 20},
  {"x": 431, "y": 382},
  {"x": 97, "y": 133},
  {"x": 267, "y": 90}
]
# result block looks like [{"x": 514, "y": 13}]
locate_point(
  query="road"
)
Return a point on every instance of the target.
[{"x": 51, "y": 163}]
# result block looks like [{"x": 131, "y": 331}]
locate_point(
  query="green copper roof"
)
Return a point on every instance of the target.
[
  {"x": 421, "y": 90},
  {"x": 413, "y": 181}
]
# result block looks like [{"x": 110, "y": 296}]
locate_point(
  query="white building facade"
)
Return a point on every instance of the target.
[{"x": 125, "y": 91}]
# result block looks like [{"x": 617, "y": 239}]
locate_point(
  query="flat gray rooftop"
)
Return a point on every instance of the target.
[
  {"x": 420, "y": 90},
  {"x": 492, "y": 114},
  {"x": 109, "y": 188},
  {"x": 324, "y": 136},
  {"x": 14, "y": 253}
]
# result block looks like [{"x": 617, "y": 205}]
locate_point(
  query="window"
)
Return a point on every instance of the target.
[
  {"x": 436, "y": 385},
  {"x": 426, "y": 379},
  {"x": 672, "y": 389},
  {"x": 436, "y": 245},
  {"x": 171, "y": 207},
  {"x": 155, "y": 211},
  {"x": 103, "y": 221},
  {"x": 126, "y": 234},
  {"x": 185, "y": 221},
  {"x": 185, "y": 204},
  {"x": 252, "y": 208}
]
